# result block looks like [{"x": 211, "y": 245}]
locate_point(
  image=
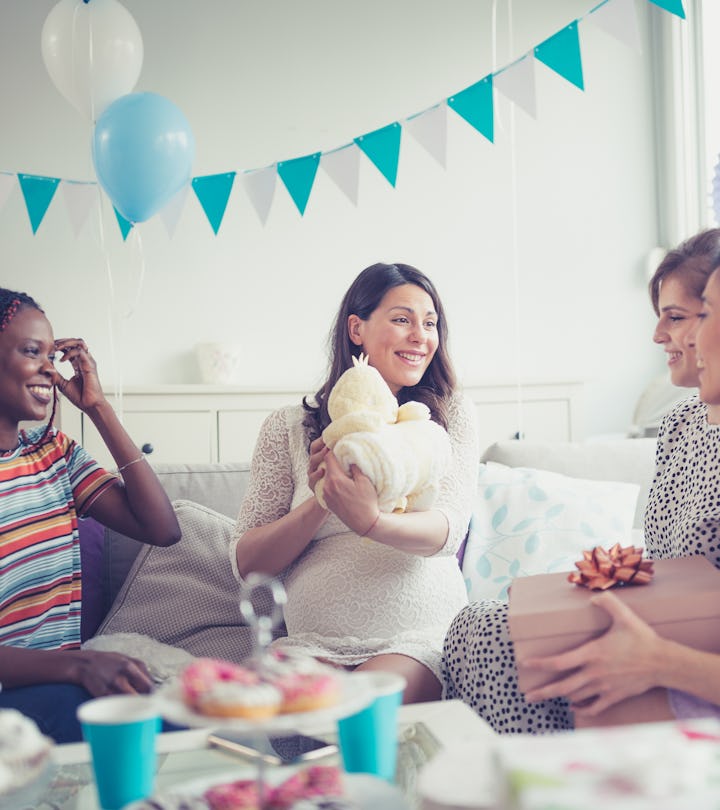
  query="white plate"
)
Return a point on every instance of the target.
[
  {"x": 368, "y": 792},
  {"x": 356, "y": 692}
]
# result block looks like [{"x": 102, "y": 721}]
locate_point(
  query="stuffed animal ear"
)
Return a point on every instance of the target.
[{"x": 354, "y": 325}]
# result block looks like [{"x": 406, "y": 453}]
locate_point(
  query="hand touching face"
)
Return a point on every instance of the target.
[{"x": 83, "y": 389}]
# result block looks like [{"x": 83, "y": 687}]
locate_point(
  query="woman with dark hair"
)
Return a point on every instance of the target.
[
  {"x": 366, "y": 589},
  {"x": 682, "y": 518},
  {"x": 46, "y": 482}
]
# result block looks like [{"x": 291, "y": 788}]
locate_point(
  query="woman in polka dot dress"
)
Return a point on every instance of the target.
[{"x": 682, "y": 518}]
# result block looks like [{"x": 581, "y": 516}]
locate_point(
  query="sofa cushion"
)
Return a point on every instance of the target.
[
  {"x": 631, "y": 460},
  {"x": 91, "y": 535},
  {"x": 219, "y": 487},
  {"x": 530, "y": 521},
  {"x": 186, "y": 595}
]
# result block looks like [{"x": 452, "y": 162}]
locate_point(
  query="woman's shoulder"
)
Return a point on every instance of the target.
[
  {"x": 285, "y": 418},
  {"x": 39, "y": 435},
  {"x": 688, "y": 410},
  {"x": 460, "y": 405}
]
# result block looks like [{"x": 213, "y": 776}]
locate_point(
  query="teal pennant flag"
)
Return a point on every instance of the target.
[
  {"x": 299, "y": 175},
  {"x": 38, "y": 193},
  {"x": 673, "y": 6},
  {"x": 561, "y": 53},
  {"x": 383, "y": 148},
  {"x": 475, "y": 105},
  {"x": 125, "y": 224},
  {"x": 213, "y": 192}
]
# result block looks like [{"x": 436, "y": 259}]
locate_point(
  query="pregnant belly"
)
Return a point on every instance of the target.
[{"x": 345, "y": 586}]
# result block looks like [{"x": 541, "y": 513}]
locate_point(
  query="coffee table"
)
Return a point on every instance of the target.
[{"x": 184, "y": 756}]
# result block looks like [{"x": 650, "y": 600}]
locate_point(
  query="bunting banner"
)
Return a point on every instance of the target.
[
  {"x": 260, "y": 188},
  {"x": 620, "y": 21},
  {"x": 124, "y": 225},
  {"x": 38, "y": 193},
  {"x": 429, "y": 129},
  {"x": 517, "y": 83},
  {"x": 383, "y": 148},
  {"x": 561, "y": 53},
  {"x": 343, "y": 168},
  {"x": 170, "y": 214},
  {"x": 79, "y": 199},
  {"x": 299, "y": 175},
  {"x": 213, "y": 192}
]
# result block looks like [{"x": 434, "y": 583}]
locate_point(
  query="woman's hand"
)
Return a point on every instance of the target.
[
  {"x": 351, "y": 497},
  {"x": 109, "y": 673},
  {"x": 318, "y": 451},
  {"x": 621, "y": 663},
  {"x": 83, "y": 389}
]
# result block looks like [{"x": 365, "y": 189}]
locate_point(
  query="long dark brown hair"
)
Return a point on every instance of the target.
[{"x": 362, "y": 299}]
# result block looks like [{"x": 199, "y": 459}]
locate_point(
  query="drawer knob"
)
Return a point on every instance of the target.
[{"x": 147, "y": 448}]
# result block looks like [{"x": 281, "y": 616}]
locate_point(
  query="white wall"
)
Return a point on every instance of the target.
[{"x": 542, "y": 279}]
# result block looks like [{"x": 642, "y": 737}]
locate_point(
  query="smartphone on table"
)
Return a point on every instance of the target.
[{"x": 272, "y": 750}]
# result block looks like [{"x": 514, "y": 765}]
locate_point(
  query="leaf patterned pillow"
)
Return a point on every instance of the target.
[{"x": 530, "y": 521}]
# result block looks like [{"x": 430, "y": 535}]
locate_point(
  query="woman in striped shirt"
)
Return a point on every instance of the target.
[{"x": 46, "y": 482}]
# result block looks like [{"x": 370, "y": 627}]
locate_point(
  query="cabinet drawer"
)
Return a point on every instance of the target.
[{"x": 181, "y": 436}]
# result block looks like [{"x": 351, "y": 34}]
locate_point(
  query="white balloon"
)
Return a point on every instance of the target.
[{"x": 93, "y": 52}]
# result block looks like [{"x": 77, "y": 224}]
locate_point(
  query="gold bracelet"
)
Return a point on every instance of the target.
[
  {"x": 130, "y": 463},
  {"x": 372, "y": 525}
]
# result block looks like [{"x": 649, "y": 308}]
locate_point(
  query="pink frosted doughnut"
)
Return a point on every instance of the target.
[
  {"x": 283, "y": 662},
  {"x": 317, "y": 780},
  {"x": 223, "y": 689},
  {"x": 240, "y": 795},
  {"x": 304, "y": 692}
]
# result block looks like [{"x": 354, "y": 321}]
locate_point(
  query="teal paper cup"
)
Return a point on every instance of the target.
[
  {"x": 369, "y": 739},
  {"x": 121, "y": 732}
]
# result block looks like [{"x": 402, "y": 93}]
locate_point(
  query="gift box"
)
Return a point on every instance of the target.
[{"x": 549, "y": 615}]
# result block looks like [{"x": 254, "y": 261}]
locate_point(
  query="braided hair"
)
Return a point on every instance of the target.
[{"x": 11, "y": 302}]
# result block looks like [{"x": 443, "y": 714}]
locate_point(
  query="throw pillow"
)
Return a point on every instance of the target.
[
  {"x": 186, "y": 595},
  {"x": 529, "y": 521},
  {"x": 91, "y": 534}
]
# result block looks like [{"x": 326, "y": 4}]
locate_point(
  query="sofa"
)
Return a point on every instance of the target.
[{"x": 538, "y": 506}]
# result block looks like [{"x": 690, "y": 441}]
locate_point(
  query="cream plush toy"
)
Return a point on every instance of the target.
[{"x": 399, "y": 449}]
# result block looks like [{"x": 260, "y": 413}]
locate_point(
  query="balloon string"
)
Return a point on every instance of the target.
[
  {"x": 515, "y": 245},
  {"x": 91, "y": 57},
  {"x": 137, "y": 244},
  {"x": 111, "y": 310},
  {"x": 508, "y": 126}
]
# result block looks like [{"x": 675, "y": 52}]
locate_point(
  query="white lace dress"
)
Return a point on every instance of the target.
[{"x": 350, "y": 598}]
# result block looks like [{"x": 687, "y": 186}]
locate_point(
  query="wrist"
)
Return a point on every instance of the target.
[
  {"x": 100, "y": 410},
  {"x": 373, "y": 525}
]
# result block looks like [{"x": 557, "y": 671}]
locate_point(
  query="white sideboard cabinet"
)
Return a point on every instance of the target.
[{"x": 205, "y": 423}]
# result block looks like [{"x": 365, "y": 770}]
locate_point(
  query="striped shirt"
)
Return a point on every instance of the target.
[{"x": 42, "y": 491}]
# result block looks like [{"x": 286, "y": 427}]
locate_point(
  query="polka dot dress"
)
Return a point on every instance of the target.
[
  {"x": 683, "y": 511},
  {"x": 682, "y": 519},
  {"x": 479, "y": 668}
]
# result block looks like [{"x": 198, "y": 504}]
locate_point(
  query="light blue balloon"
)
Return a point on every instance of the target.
[{"x": 143, "y": 150}]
